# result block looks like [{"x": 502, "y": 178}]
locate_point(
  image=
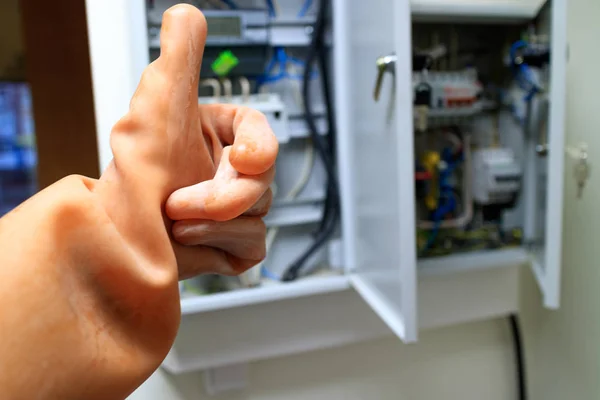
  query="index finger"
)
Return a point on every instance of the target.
[{"x": 254, "y": 145}]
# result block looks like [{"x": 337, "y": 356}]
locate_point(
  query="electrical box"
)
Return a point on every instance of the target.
[
  {"x": 227, "y": 28},
  {"x": 243, "y": 32},
  {"x": 458, "y": 126},
  {"x": 417, "y": 167},
  {"x": 453, "y": 92},
  {"x": 497, "y": 176}
]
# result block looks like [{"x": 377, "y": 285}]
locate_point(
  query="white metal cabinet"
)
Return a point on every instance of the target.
[
  {"x": 543, "y": 193},
  {"x": 545, "y": 205},
  {"x": 376, "y": 181},
  {"x": 474, "y": 9},
  {"x": 377, "y": 159},
  {"x": 376, "y": 163}
]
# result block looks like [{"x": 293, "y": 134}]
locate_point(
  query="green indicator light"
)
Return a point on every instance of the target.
[{"x": 224, "y": 63}]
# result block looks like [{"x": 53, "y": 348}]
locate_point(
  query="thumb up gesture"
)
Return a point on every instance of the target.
[{"x": 199, "y": 174}]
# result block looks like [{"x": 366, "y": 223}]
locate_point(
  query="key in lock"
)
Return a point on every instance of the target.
[{"x": 582, "y": 168}]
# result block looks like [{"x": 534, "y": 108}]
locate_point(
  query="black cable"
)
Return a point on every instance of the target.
[
  {"x": 321, "y": 238},
  {"x": 331, "y": 206},
  {"x": 328, "y": 207},
  {"x": 330, "y": 202},
  {"x": 519, "y": 357},
  {"x": 331, "y": 128}
]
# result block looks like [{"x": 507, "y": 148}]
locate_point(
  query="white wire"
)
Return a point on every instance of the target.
[
  {"x": 215, "y": 85},
  {"x": 245, "y": 85},
  {"x": 276, "y": 8},
  {"x": 227, "y": 88},
  {"x": 454, "y": 139},
  {"x": 296, "y": 89},
  {"x": 253, "y": 274}
]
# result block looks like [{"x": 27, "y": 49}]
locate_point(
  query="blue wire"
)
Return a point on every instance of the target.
[
  {"x": 447, "y": 202},
  {"x": 271, "y": 8},
  {"x": 268, "y": 274},
  {"x": 280, "y": 58},
  {"x": 432, "y": 236},
  {"x": 296, "y": 61},
  {"x": 230, "y": 4},
  {"x": 516, "y": 46},
  {"x": 523, "y": 74},
  {"x": 305, "y": 8}
]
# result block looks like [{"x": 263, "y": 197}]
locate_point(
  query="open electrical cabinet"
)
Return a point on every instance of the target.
[{"x": 375, "y": 248}]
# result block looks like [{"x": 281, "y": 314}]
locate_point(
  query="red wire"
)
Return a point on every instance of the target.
[{"x": 422, "y": 176}]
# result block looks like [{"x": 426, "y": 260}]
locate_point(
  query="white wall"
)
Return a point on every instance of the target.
[
  {"x": 473, "y": 361},
  {"x": 565, "y": 344}
]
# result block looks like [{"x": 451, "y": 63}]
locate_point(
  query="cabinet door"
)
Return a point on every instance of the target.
[
  {"x": 544, "y": 173},
  {"x": 375, "y": 152}
]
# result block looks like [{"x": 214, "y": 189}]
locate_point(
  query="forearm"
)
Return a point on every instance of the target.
[{"x": 88, "y": 311}]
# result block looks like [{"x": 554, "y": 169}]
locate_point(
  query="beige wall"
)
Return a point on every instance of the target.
[
  {"x": 468, "y": 362},
  {"x": 564, "y": 346},
  {"x": 11, "y": 45}
]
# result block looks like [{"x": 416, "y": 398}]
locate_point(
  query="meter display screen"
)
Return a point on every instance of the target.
[{"x": 224, "y": 26}]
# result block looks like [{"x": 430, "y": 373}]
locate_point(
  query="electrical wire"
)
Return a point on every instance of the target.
[
  {"x": 332, "y": 202},
  {"x": 231, "y": 4},
  {"x": 307, "y": 167},
  {"x": 245, "y": 88},
  {"x": 331, "y": 129},
  {"x": 227, "y": 89},
  {"x": 305, "y": 8},
  {"x": 282, "y": 61},
  {"x": 296, "y": 87},
  {"x": 519, "y": 357},
  {"x": 447, "y": 202},
  {"x": 215, "y": 85},
  {"x": 523, "y": 74},
  {"x": 467, "y": 195},
  {"x": 273, "y": 8}
]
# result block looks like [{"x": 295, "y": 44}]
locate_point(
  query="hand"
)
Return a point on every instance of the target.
[
  {"x": 214, "y": 163},
  {"x": 218, "y": 216}
]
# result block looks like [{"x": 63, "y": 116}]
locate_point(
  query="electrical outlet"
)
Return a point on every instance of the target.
[{"x": 225, "y": 379}]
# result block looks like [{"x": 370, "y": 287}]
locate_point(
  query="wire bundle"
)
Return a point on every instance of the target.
[
  {"x": 318, "y": 52},
  {"x": 447, "y": 199},
  {"x": 522, "y": 72}
]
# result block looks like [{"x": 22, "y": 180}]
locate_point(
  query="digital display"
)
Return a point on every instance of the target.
[{"x": 224, "y": 26}]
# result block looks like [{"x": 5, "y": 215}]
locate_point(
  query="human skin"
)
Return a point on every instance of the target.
[{"x": 89, "y": 268}]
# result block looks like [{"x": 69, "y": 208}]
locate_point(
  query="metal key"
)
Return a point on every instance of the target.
[
  {"x": 582, "y": 173},
  {"x": 384, "y": 64},
  {"x": 582, "y": 170}
]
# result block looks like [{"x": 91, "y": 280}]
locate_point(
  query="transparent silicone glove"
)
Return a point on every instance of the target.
[{"x": 89, "y": 268}]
